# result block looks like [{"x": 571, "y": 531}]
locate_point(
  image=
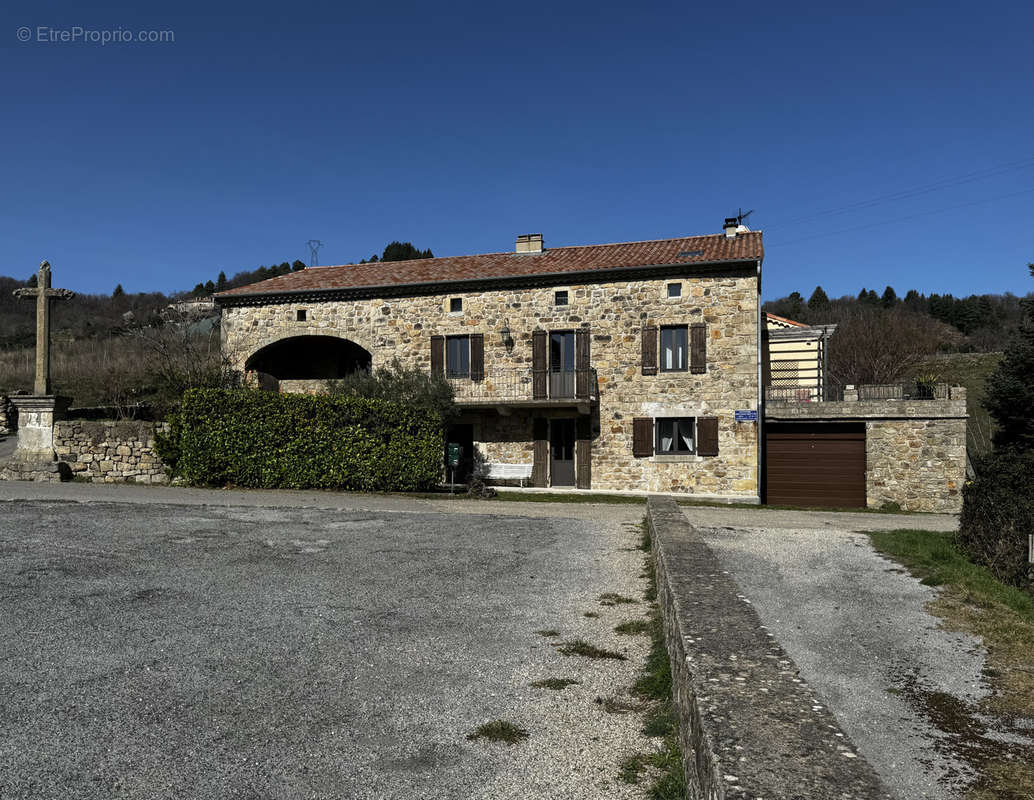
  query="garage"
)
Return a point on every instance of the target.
[{"x": 815, "y": 464}]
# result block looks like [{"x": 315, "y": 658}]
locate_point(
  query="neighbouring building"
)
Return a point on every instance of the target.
[
  {"x": 615, "y": 366},
  {"x": 794, "y": 359}
]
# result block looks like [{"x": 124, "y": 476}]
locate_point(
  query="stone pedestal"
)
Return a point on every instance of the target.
[{"x": 34, "y": 460}]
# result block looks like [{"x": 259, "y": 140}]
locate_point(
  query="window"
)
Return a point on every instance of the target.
[
  {"x": 675, "y": 436},
  {"x": 560, "y": 298},
  {"x": 674, "y": 290},
  {"x": 457, "y": 356},
  {"x": 301, "y": 315},
  {"x": 455, "y": 305},
  {"x": 673, "y": 348}
]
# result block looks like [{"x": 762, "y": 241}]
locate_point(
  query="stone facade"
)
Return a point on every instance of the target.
[
  {"x": 915, "y": 450},
  {"x": 110, "y": 452},
  {"x": 615, "y": 314}
]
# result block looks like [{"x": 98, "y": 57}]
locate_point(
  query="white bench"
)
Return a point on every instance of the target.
[{"x": 510, "y": 472}]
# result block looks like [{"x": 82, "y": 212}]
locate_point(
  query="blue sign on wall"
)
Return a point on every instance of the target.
[{"x": 747, "y": 415}]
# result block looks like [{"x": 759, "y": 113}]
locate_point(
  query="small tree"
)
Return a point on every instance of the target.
[
  {"x": 119, "y": 292},
  {"x": 220, "y": 282},
  {"x": 1010, "y": 389},
  {"x": 818, "y": 302},
  {"x": 297, "y": 266}
]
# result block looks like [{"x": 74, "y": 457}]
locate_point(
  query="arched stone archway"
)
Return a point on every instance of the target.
[{"x": 309, "y": 358}]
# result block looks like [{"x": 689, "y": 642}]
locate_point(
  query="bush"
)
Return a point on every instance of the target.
[
  {"x": 258, "y": 439},
  {"x": 401, "y": 384},
  {"x": 998, "y": 515}
]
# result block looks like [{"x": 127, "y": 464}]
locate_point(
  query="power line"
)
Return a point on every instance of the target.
[
  {"x": 900, "y": 218},
  {"x": 905, "y": 194}
]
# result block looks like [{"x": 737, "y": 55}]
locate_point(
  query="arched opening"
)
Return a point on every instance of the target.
[{"x": 309, "y": 357}]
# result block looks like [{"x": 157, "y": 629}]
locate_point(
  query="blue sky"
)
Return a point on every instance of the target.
[{"x": 459, "y": 126}]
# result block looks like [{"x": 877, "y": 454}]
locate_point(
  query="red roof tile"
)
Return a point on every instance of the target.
[
  {"x": 786, "y": 321},
  {"x": 711, "y": 249}
]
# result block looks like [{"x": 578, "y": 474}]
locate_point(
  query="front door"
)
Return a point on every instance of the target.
[
  {"x": 561, "y": 364},
  {"x": 561, "y": 452}
]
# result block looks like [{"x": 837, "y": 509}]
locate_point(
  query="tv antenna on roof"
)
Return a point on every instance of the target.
[
  {"x": 741, "y": 216},
  {"x": 314, "y": 251}
]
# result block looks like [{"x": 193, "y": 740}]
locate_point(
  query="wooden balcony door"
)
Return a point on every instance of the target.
[{"x": 561, "y": 364}]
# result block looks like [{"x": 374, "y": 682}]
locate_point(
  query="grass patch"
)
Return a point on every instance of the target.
[
  {"x": 630, "y": 767},
  {"x": 548, "y": 633},
  {"x": 620, "y": 705},
  {"x": 971, "y": 600},
  {"x": 499, "y": 730},
  {"x": 556, "y": 684},
  {"x": 591, "y": 614},
  {"x": 634, "y": 627},
  {"x": 580, "y": 647},
  {"x": 614, "y": 599}
]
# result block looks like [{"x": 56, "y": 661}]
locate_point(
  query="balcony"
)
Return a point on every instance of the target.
[{"x": 507, "y": 389}]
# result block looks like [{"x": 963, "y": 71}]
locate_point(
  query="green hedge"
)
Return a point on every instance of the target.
[
  {"x": 998, "y": 515},
  {"x": 258, "y": 439}
]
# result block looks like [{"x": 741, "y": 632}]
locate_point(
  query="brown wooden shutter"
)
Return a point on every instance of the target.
[
  {"x": 698, "y": 347},
  {"x": 642, "y": 437},
  {"x": 477, "y": 357},
  {"x": 540, "y": 435},
  {"x": 539, "y": 369},
  {"x": 581, "y": 362},
  {"x": 438, "y": 356},
  {"x": 649, "y": 349},
  {"x": 707, "y": 436},
  {"x": 583, "y": 452}
]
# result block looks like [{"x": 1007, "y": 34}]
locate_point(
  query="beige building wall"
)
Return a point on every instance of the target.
[{"x": 615, "y": 313}]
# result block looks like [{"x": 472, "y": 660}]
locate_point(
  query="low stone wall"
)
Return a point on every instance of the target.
[
  {"x": 915, "y": 450},
  {"x": 110, "y": 452},
  {"x": 749, "y": 726},
  {"x": 8, "y": 417}
]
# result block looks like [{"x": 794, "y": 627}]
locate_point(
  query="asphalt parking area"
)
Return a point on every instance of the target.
[{"x": 202, "y": 651}]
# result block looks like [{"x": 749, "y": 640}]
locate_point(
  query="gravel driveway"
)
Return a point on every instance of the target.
[
  {"x": 170, "y": 651},
  {"x": 855, "y": 625}
]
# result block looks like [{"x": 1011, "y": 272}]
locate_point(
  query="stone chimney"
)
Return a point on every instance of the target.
[
  {"x": 730, "y": 226},
  {"x": 529, "y": 243}
]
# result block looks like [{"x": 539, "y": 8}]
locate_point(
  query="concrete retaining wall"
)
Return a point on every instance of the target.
[
  {"x": 110, "y": 452},
  {"x": 749, "y": 725}
]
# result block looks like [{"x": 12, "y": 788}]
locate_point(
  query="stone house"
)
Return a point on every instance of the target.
[{"x": 610, "y": 367}]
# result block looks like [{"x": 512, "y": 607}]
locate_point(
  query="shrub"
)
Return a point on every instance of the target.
[
  {"x": 998, "y": 515},
  {"x": 264, "y": 440},
  {"x": 402, "y": 384}
]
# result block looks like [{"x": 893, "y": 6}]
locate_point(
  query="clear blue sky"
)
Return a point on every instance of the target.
[{"x": 459, "y": 126}]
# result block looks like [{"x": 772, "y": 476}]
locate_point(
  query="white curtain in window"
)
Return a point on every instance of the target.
[{"x": 686, "y": 435}]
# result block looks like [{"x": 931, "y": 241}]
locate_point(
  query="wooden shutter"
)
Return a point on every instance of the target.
[
  {"x": 698, "y": 347},
  {"x": 707, "y": 436},
  {"x": 649, "y": 349},
  {"x": 581, "y": 362},
  {"x": 438, "y": 356},
  {"x": 477, "y": 357},
  {"x": 540, "y": 435},
  {"x": 642, "y": 437},
  {"x": 539, "y": 369},
  {"x": 583, "y": 452}
]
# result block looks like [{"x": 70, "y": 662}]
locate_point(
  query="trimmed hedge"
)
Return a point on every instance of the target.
[
  {"x": 246, "y": 437},
  {"x": 998, "y": 515}
]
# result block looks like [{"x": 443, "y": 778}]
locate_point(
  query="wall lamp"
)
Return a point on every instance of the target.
[{"x": 507, "y": 336}]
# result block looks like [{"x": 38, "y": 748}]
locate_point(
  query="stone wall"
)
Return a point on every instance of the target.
[
  {"x": 915, "y": 450},
  {"x": 615, "y": 313},
  {"x": 8, "y": 417},
  {"x": 749, "y": 725},
  {"x": 110, "y": 452}
]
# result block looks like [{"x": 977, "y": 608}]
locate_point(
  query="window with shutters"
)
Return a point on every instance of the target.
[
  {"x": 457, "y": 356},
  {"x": 674, "y": 339},
  {"x": 675, "y": 436}
]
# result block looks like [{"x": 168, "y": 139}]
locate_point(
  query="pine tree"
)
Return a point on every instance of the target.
[
  {"x": 209, "y": 287},
  {"x": 890, "y": 297},
  {"x": 297, "y": 266},
  {"x": 119, "y": 292},
  {"x": 818, "y": 299},
  {"x": 220, "y": 282},
  {"x": 198, "y": 290},
  {"x": 403, "y": 251}
]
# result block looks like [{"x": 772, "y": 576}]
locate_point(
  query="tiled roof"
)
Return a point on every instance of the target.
[
  {"x": 784, "y": 321},
  {"x": 712, "y": 249}
]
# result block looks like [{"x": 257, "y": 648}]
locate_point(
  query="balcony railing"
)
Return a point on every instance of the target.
[
  {"x": 837, "y": 392},
  {"x": 527, "y": 386}
]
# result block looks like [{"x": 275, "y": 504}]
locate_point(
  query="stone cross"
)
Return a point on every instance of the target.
[{"x": 43, "y": 294}]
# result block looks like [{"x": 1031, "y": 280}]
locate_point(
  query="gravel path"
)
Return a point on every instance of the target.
[
  {"x": 855, "y": 625},
  {"x": 161, "y": 651}
]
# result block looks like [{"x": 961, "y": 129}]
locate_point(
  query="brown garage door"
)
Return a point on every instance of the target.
[{"x": 815, "y": 465}]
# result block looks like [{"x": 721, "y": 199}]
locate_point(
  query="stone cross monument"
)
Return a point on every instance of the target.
[
  {"x": 43, "y": 294},
  {"x": 35, "y": 460}
]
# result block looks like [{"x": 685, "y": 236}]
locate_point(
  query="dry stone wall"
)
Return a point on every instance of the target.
[
  {"x": 8, "y": 416},
  {"x": 110, "y": 452},
  {"x": 615, "y": 313}
]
